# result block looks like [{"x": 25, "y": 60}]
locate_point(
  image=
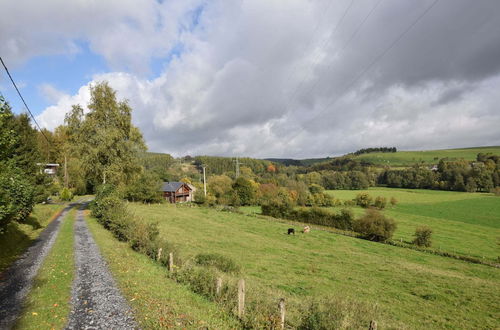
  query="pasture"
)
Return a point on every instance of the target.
[
  {"x": 462, "y": 223},
  {"x": 410, "y": 288},
  {"x": 408, "y": 158}
]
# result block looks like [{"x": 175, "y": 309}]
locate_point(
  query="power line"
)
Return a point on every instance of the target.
[
  {"x": 370, "y": 65},
  {"x": 352, "y": 36},
  {"x": 325, "y": 43},
  {"x": 24, "y": 102}
]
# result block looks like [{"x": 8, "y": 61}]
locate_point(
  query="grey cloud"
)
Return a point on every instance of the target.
[{"x": 259, "y": 78}]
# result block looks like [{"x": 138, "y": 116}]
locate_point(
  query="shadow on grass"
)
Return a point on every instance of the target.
[{"x": 33, "y": 222}]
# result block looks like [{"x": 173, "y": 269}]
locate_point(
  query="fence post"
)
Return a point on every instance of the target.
[
  {"x": 159, "y": 254},
  {"x": 241, "y": 298},
  {"x": 218, "y": 286},
  {"x": 373, "y": 325},
  {"x": 171, "y": 262},
  {"x": 282, "y": 312}
]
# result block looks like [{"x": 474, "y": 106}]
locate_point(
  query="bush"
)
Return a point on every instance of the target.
[
  {"x": 495, "y": 191},
  {"x": 363, "y": 200},
  {"x": 336, "y": 313},
  {"x": 394, "y": 201},
  {"x": 222, "y": 263},
  {"x": 380, "y": 202},
  {"x": 142, "y": 236},
  {"x": 66, "y": 194},
  {"x": 318, "y": 216},
  {"x": 374, "y": 226},
  {"x": 278, "y": 208},
  {"x": 16, "y": 196},
  {"x": 423, "y": 236},
  {"x": 349, "y": 202}
]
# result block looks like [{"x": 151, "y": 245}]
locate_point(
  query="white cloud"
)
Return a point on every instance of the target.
[{"x": 259, "y": 78}]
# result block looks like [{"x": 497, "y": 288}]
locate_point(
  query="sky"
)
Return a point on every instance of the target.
[{"x": 266, "y": 78}]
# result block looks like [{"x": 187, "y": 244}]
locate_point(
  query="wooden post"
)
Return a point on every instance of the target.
[
  {"x": 159, "y": 254},
  {"x": 282, "y": 313},
  {"x": 373, "y": 325},
  {"x": 171, "y": 262},
  {"x": 218, "y": 286},
  {"x": 241, "y": 298}
]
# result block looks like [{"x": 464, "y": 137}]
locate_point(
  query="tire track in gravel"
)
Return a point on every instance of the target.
[
  {"x": 19, "y": 277},
  {"x": 96, "y": 301}
]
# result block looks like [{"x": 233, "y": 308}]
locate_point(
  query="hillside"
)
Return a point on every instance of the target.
[{"x": 400, "y": 158}]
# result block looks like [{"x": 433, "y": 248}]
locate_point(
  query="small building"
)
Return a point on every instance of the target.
[
  {"x": 49, "y": 169},
  {"x": 178, "y": 192}
]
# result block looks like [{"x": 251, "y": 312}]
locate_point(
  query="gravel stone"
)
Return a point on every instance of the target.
[
  {"x": 17, "y": 280},
  {"x": 97, "y": 302}
]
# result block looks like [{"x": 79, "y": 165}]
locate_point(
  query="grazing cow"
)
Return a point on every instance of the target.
[
  {"x": 291, "y": 231},
  {"x": 306, "y": 229}
]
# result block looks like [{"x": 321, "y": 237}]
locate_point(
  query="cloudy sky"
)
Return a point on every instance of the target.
[{"x": 266, "y": 78}]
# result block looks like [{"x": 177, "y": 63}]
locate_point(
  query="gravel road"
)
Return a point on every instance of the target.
[
  {"x": 16, "y": 281},
  {"x": 96, "y": 300}
]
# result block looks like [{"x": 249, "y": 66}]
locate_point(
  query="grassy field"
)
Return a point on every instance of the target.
[
  {"x": 408, "y": 158},
  {"x": 158, "y": 302},
  {"x": 411, "y": 289},
  {"x": 463, "y": 223},
  {"x": 19, "y": 236},
  {"x": 49, "y": 302}
]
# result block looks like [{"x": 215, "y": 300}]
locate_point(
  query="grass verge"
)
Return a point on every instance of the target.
[
  {"x": 49, "y": 302},
  {"x": 157, "y": 300},
  {"x": 19, "y": 236}
]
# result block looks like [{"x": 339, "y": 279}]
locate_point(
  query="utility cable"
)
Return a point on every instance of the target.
[{"x": 24, "y": 102}]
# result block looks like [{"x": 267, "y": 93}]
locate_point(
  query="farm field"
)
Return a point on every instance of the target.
[
  {"x": 408, "y": 158},
  {"x": 411, "y": 289},
  {"x": 462, "y": 223}
]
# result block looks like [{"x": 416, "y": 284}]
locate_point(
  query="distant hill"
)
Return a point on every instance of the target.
[
  {"x": 408, "y": 158},
  {"x": 400, "y": 158},
  {"x": 298, "y": 162}
]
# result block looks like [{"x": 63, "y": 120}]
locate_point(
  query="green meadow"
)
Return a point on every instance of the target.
[
  {"x": 411, "y": 289},
  {"x": 462, "y": 223},
  {"x": 408, "y": 158}
]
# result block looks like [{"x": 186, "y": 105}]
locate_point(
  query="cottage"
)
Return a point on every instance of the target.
[{"x": 178, "y": 192}]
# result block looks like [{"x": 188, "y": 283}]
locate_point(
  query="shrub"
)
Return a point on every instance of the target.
[
  {"x": 394, "y": 201},
  {"x": 200, "y": 280},
  {"x": 318, "y": 216},
  {"x": 222, "y": 263},
  {"x": 380, "y": 202},
  {"x": 349, "y": 202},
  {"x": 374, "y": 226},
  {"x": 423, "y": 236},
  {"x": 495, "y": 191},
  {"x": 316, "y": 189},
  {"x": 16, "y": 196},
  {"x": 277, "y": 207},
  {"x": 142, "y": 237},
  {"x": 363, "y": 200},
  {"x": 336, "y": 313},
  {"x": 66, "y": 194}
]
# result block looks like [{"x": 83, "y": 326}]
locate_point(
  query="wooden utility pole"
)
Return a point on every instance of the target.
[{"x": 204, "y": 182}]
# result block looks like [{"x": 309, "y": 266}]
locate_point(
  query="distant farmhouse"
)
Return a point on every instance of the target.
[
  {"x": 50, "y": 169},
  {"x": 178, "y": 192}
]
